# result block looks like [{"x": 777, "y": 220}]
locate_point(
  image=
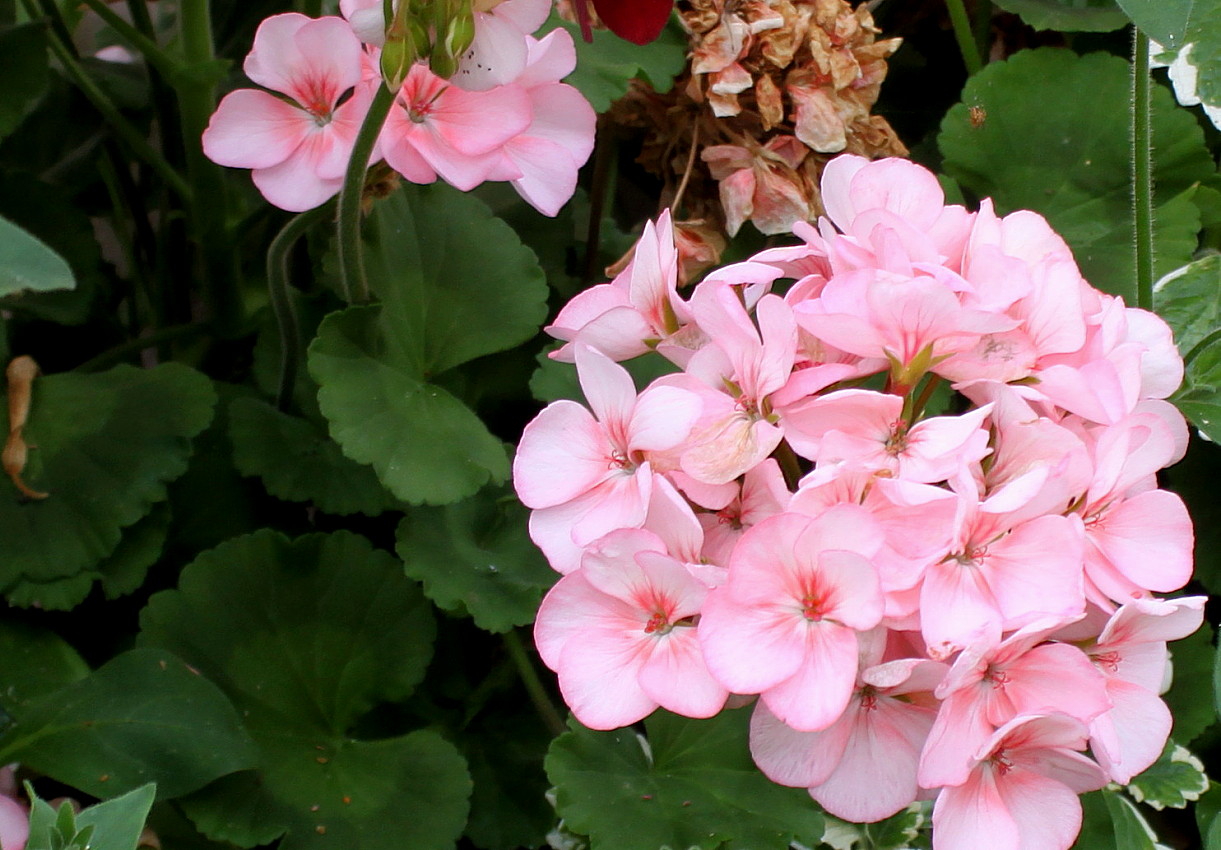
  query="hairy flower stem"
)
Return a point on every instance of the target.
[
  {"x": 533, "y": 684},
  {"x": 279, "y": 289},
  {"x": 1142, "y": 170},
  {"x": 964, "y": 36},
  {"x": 351, "y": 257}
]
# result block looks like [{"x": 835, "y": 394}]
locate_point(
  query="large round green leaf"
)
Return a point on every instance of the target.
[
  {"x": 695, "y": 786},
  {"x": 476, "y": 556},
  {"x": 426, "y": 445},
  {"x": 105, "y": 447},
  {"x": 298, "y": 462},
  {"x": 1054, "y": 138},
  {"x": 455, "y": 280},
  {"x": 142, "y": 717},
  {"x": 306, "y": 637}
]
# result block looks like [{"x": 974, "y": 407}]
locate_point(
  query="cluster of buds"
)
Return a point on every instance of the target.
[
  {"x": 477, "y": 97},
  {"x": 775, "y": 88},
  {"x": 902, "y": 487}
]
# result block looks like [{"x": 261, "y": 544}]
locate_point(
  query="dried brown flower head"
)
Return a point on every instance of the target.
[{"x": 774, "y": 89}]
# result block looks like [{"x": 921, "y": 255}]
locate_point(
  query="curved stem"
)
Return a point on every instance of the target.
[
  {"x": 1142, "y": 171},
  {"x": 351, "y": 258},
  {"x": 964, "y": 36},
  {"x": 279, "y": 288},
  {"x": 534, "y": 685}
]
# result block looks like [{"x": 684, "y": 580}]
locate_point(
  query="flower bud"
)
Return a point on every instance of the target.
[
  {"x": 455, "y": 30},
  {"x": 397, "y": 58}
]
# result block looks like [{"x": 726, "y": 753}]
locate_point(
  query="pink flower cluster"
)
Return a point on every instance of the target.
[
  {"x": 505, "y": 115},
  {"x": 955, "y": 606}
]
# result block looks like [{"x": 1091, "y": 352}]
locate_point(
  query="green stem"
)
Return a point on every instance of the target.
[
  {"x": 1142, "y": 171},
  {"x": 605, "y": 148},
  {"x": 165, "y": 64},
  {"x": 279, "y": 288},
  {"x": 134, "y": 346},
  {"x": 964, "y": 36},
  {"x": 209, "y": 212},
  {"x": 789, "y": 465},
  {"x": 351, "y": 258},
  {"x": 534, "y": 685},
  {"x": 917, "y": 408},
  {"x": 102, "y": 103}
]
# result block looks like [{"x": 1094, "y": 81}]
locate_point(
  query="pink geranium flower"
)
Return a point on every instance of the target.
[
  {"x": 863, "y": 767},
  {"x": 298, "y": 148},
  {"x": 542, "y": 161},
  {"x": 587, "y": 475},
  {"x": 636, "y": 310},
  {"x": 620, "y": 633},
  {"x": 1021, "y": 792},
  {"x": 436, "y": 128},
  {"x": 990, "y": 684},
  {"x": 785, "y": 624},
  {"x": 1131, "y": 655}
]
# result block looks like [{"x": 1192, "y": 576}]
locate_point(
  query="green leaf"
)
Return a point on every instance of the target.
[
  {"x": 33, "y": 663},
  {"x": 1132, "y": 832},
  {"x": 121, "y": 572},
  {"x": 1193, "y": 658},
  {"x": 405, "y": 792},
  {"x": 425, "y": 445},
  {"x": 113, "y": 825},
  {"x": 607, "y": 66},
  {"x": 298, "y": 462},
  {"x": 1165, "y": 21},
  {"x": 455, "y": 281},
  {"x": 1174, "y": 780},
  {"x": 1207, "y": 808},
  {"x": 142, "y": 717},
  {"x": 1045, "y": 147},
  {"x": 211, "y": 502},
  {"x": 54, "y": 217},
  {"x": 509, "y": 807},
  {"x": 1097, "y": 833},
  {"x": 125, "y": 569},
  {"x": 106, "y": 445},
  {"x": 692, "y": 785},
  {"x": 308, "y": 636},
  {"x": 118, "y": 823},
  {"x": 476, "y": 556},
  {"x": 26, "y": 264},
  {"x": 1189, "y": 299},
  {"x": 24, "y": 48},
  {"x": 1199, "y": 48},
  {"x": 1068, "y": 15},
  {"x": 897, "y": 831}
]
